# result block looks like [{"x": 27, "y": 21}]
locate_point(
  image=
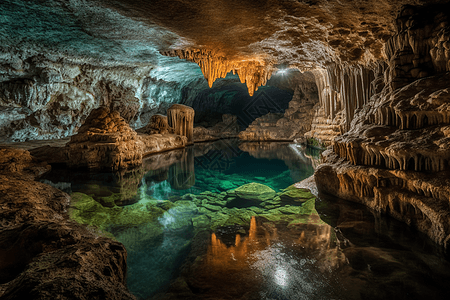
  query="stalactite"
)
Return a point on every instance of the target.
[
  {"x": 254, "y": 72},
  {"x": 345, "y": 87}
]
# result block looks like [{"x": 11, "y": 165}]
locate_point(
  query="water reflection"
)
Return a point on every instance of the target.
[
  {"x": 271, "y": 261},
  {"x": 182, "y": 173},
  {"x": 216, "y": 167}
]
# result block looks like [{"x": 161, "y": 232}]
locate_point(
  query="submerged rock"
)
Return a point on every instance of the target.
[{"x": 255, "y": 191}]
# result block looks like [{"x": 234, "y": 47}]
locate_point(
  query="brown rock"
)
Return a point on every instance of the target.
[
  {"x": 158, "y": 124},
  {"x": 181, "y": 119},
  {"x": 228, "y": 128},
  {"x": 105, "y": 141},
  {"x": 43, "y": 254},
  {"x": 18, "y": 162}
]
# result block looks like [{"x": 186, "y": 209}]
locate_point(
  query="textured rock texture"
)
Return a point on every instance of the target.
[
  {"x": 289, "y": 126},
  {"x": 228, "y": 128},
  {"x": 158, "y": 124},
  {"x": 44, "y": 255},
  {"x": 181, "y": 119},
  {"x": 396, "y": 156},
  {"x": 105, "y": 141}
]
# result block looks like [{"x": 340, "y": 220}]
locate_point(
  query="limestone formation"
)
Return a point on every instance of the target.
[
  {"x": 158, "y": 124},
  {"x": 255, "y": 192},
  {"x": 228, "y": 128},
  {"x": 20, "y": 163},
  {"x": 396, "y": 156},
  {"x": 105, "y": 141},
  {"x": 323, "y": 128},
  {"x": 181, "y": 119},
  {"x": 253, "y": 72},
  {"x": 289, "y": 126}
]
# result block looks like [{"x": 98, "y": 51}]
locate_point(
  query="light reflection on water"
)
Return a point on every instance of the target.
[
  {"x": 360, "y": 256},
  {"x": 273, "y": 262}
]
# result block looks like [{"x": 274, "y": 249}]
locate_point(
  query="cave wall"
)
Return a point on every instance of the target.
[
  {"x": 395, "y": 157},
  {"x": 42, "y": 99}
]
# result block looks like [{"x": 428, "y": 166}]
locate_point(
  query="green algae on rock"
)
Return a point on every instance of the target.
[{"x": 255, "y": 191}]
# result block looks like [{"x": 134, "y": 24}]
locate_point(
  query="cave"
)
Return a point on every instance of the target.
[{"x": 275, "y": 149}]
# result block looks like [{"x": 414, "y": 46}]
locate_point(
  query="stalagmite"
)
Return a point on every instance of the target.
[
  {"x": 400, "y": 135},
  {"x": 181, "y": 119},
  {"x": 105, "y": 141}
]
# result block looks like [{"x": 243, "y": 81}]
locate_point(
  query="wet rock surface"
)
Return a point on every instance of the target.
[
  {"x": 395, "y": 156},
  {"x": 44, "y": 254},
  {"x": 181, "y": 118}
]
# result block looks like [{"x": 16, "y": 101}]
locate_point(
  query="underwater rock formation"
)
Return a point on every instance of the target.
[
  {"x": 181, "y": 119},
  {"x": 105, "y": 141},
  {"x": 396, "y": 156},
  {"x": 45, "y": 255}
]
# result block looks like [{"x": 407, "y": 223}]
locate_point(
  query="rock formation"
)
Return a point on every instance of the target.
[
  {"x": 105, "y": 141},
  {"x": 45, "y": 255},
  {"x": 253, "y": 72},
  {"x": 395, "y": 157},
  {"x": 158, "y": 124},
  {"x": 228, "y": 128},
  {"x": 181, "y": 119},
  {"x": 289, "y": 126}
]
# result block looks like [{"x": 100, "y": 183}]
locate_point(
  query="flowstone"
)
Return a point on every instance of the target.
[{"x": 181, "y": 119}]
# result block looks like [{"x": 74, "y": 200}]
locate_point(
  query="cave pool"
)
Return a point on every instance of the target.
[{"x": 222, "y": 220}]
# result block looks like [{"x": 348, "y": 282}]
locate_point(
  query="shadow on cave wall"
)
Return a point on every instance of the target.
[{"x": 230, "y": 96}]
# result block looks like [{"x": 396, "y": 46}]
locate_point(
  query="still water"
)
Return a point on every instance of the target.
[{"x": 220, "y": 221}]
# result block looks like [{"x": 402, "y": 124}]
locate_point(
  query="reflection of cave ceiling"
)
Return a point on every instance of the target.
[{"x": 246, "y": 34}]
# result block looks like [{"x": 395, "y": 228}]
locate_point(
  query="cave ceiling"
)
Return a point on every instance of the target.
[{"x": 252, "y": 38}]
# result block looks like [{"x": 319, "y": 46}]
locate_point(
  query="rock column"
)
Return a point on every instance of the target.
[{"x": 181, "y": 119}]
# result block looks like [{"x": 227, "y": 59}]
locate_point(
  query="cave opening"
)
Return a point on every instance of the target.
[{"x": 230, "y": 96}]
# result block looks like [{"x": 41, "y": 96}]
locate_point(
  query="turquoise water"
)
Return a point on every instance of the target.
[
  {"x": 215, "y": 221},
  {"x": 225, "y": 166}
]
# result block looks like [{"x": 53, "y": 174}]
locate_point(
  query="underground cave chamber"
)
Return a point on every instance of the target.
[{"x": 224, "y": 149}]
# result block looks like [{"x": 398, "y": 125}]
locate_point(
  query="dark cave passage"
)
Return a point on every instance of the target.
[{"x": 230, "y": 96}]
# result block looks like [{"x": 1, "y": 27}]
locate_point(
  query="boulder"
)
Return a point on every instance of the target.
[
  {"x": 255, "y": 192},
  {"x": 43, "y": 254}
]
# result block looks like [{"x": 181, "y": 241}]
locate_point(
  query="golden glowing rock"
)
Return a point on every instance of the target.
[
  {"x": 253, "y": 71},
  {"x": 181, "y": 119}
]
